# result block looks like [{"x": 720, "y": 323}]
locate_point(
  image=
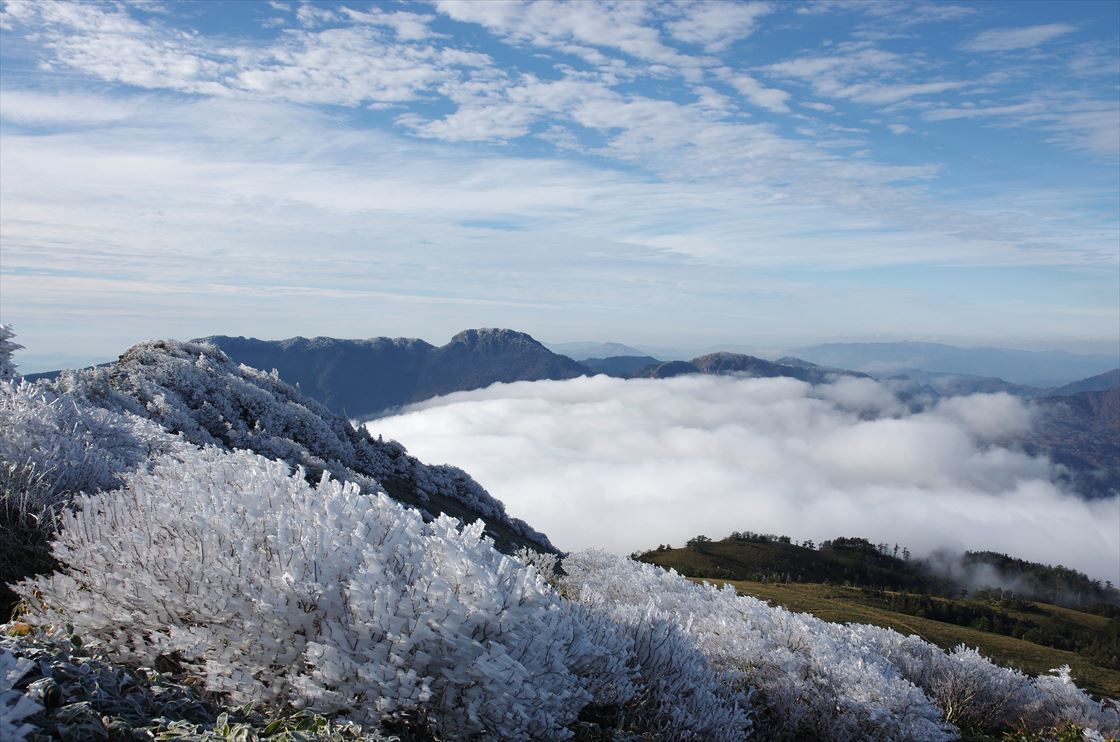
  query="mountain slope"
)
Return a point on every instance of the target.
[
  {"x": 1099, "y": 383},
  {"x": 742, "y": 365},
  {"x": 361, "y": 378},
  {"x": 196, "y": 391},
  {"x": 1053, "y": 613},
  {"x": 915, "y": 381},
  {"x": 1081, "y": 432}
]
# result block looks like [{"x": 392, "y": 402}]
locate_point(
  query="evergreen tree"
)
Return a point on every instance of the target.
[{"x": 7, "y": 347}]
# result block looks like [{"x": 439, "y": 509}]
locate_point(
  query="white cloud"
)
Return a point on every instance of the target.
[
  {"x": 899, "y": 128},
  {"x": 407, "y": 26},
  {"x": 37, "y": 108},
  {"x": 890, "y": 94},
  {"x": 900, "y": 13},
  {"x": 351, "y": 65},
  {"x": 772, "y": 99},
  {"x": 989, "y": 417},
  {"x": 964, "y": 112},
  {"x": 626, "y": 465},
  {"x": 824, "y": 70},
  {"x": 862, "y": 73},
  {"x": 1006, "y": 39},
  {"x": 1092, "y": 130},
  {"x": 1080, "y": 124},
  {"x": 715, "y": 26},
  {"x": 624, "y": 27},
  {"x": 860, "y": 396}
]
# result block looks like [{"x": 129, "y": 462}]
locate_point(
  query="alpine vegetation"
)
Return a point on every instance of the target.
[
  {"x": 209, "y": 520},
  {"x": 822, "y": 680},
  {"x": 277, "y": 592}
]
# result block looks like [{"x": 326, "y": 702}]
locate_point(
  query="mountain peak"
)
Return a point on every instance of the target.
[{"x": 493, "y": 336}]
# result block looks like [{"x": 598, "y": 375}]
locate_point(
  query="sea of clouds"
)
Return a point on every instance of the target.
[{"x": 626, "y": 465}]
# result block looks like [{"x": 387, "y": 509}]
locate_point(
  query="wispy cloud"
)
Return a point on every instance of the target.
[
  {"x": 715, "y": 26},
  {"x": 1081, "y": 124},
  {"x": 899, "y": 12},
  {"x": 623, "y": 27},
  {"x": 354, "y": 65},
  {"x": 863, "y": 73},
  {"x": 890, "y": 94},
  {"x": 1007, "y": 39},
  {"x": 771, "y": 99},
  {"x": 648, "y": 149}
]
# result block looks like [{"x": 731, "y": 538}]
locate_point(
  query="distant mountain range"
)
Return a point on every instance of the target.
[
  {"x": 361, "y": 378},
  {"x": 620, "y": 366},
  {"x": 1032, "y": 368},
  {"x": 594, "y": 350},
  {"x": 591, "y": 349},
  {"x": 737, "y": 364}
]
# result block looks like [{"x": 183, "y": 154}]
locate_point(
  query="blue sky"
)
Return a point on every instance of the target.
[{"x": 682, "y": 173}]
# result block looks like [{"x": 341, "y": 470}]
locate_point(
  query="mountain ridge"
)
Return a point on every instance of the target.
[
  {"x": 1028, "y": 367},
  {"x": 724, "y": 364},
  {"x": 366, "y": 377},
  {"x": 196, "y": 391}
]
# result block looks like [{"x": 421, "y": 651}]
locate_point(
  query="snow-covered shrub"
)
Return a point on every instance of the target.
[
  {"x": 971, "y": 690},
  {"x": 545, "y": 563},
  {"x": 15, "y": 706},
  {"x": 1058, "y": 700},
  {"x": 278, "y": 592},
  {"x": 812, "y": 679},
  {"x": 51, "y": 447},
  {"x": 7, "y": 347},
  {"x": 59, "y": 445},
  {"x": 681, "y": 695}
]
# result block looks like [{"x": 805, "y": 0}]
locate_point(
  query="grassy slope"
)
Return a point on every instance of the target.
[
  {"x": 741, "y": 559},
  {"x": 849, "y": 605},
  {"x": 810, "y": 581}
]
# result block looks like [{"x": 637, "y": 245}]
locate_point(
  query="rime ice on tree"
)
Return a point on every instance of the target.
[{"x": 7, "y": 347}]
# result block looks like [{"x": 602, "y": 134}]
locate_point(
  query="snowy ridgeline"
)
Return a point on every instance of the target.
[
  {"x": 328, "y": 595},
  {"x": 90, "y": 425}
]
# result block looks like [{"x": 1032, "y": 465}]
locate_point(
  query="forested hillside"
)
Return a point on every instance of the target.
[{"x": 971, "y": 597}]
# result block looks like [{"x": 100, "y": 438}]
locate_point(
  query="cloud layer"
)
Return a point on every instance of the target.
[{"x": 626, "y": 465}]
